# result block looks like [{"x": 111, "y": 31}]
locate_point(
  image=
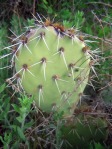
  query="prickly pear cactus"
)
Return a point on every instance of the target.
[
  {"x": 83, "y": 130},
  {"x": 52, "y": 64}
]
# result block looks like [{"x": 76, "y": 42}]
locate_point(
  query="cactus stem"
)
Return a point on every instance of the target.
[{"x": 58, "y": 41}]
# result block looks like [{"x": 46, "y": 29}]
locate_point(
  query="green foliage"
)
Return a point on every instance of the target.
[
  {"x": 6, "y": 140},
  {"x": 15, "y": 122},
  {"x": 19, "y": 24},
  {"x": 96, "y": 146},
  {"x": 3, "y": 35}
]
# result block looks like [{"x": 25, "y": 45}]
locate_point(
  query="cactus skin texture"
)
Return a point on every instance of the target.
[
  {"x": 82, "y": 131},
  {"x": 52, "y": 65}
]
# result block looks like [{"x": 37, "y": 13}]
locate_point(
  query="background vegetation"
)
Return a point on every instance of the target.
[{"x": 20, "y": 125}]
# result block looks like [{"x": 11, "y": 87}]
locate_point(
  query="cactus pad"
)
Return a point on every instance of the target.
[
  {"x": 82, "y": 131},
  {"x": 52, "y": 65}
]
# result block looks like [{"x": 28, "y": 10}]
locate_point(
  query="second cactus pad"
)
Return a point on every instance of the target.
[{"x": 52, "y": 65}]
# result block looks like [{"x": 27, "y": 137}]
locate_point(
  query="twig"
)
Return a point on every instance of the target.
[
  {"x": 109, "y": 84},
  {"x": 100, "y": 21},
  {"x": 100, "y": 3}
]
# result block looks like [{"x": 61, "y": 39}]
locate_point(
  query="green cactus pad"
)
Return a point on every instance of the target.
[
  {"x": 83, "y": 130},
  {"x": 53, "y": 66}
]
